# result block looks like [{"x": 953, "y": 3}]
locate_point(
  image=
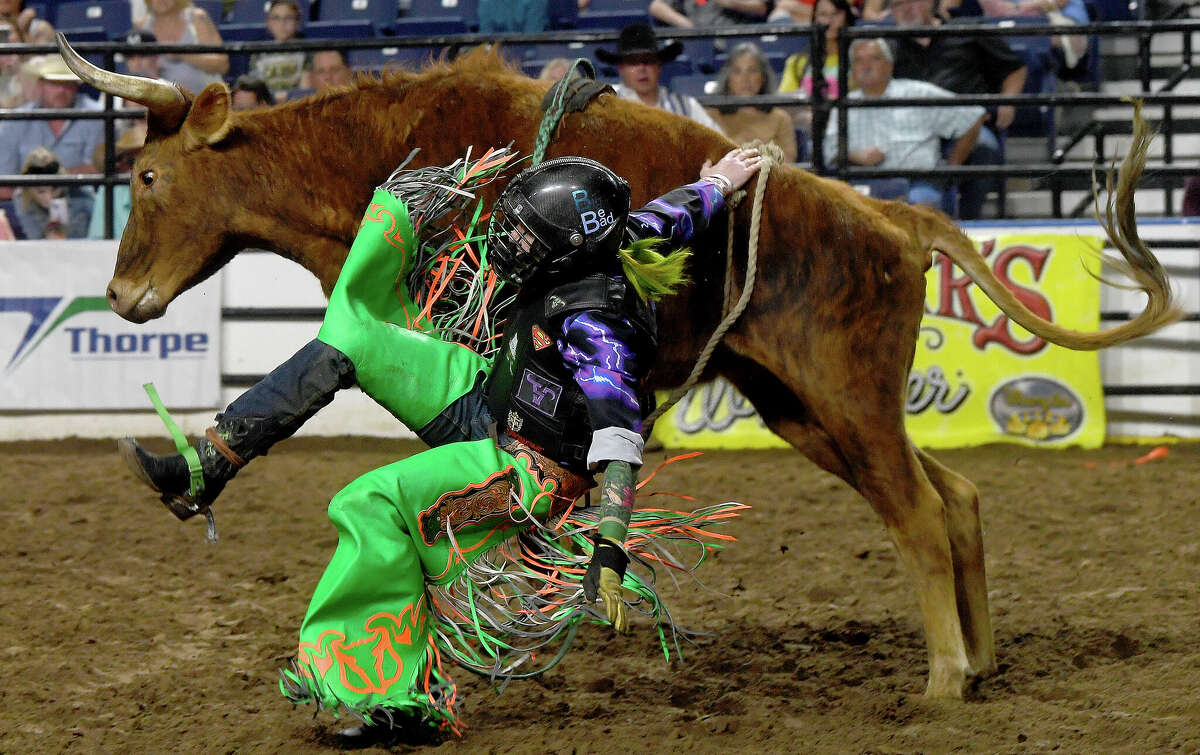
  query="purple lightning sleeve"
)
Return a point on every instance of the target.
[
  {"x": 678, "y": 215},
  {"x": 596, "y": 348}
]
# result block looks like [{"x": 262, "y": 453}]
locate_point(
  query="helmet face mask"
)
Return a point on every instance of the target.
[{"x": 562, "y": 216}]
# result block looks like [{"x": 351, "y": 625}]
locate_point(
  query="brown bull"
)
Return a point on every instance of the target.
[{"x": 823, "y": 350}]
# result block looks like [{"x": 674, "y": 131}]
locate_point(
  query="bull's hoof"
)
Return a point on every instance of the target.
[{"x": 947, "y": 683}]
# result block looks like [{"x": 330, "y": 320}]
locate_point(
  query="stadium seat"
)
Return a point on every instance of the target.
[
  {"x": 693, "y": 84},
  {"x": 379, "y": 14},
  {"x": 549, "y": 50},
  {"x": 244, "y": 32},
  {"x": 112, "y": 16},
  {"x": 379, "y": 59},
  {"x": 425, "y": 27},
  {"x": 699, "y": 51},
  {"x": 563, "y": 13},
  {"x": 214, "y": 8},
  {"x": 464, "y": 9},
  {"x": 255, "y": 11},
  {"x": 611, "y": 6},
  {"x": 611, "y": 20},
  {"x": 42, "y": 10},
  {"x": 339, "y": 30},
  {"x": 87, "y": 34}
]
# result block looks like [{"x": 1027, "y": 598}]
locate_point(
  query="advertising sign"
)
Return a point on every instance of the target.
[
  {"x": 61, "y": 347},
  {"x": 976, "y": 377}
]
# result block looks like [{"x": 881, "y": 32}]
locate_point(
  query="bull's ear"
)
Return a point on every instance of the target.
[{"x": 208, "y": 121}]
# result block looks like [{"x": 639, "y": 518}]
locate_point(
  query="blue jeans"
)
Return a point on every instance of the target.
[
  {"x": 973, "y": 191},
  {"x": 277, "y": 406},
  {"x": 926, "y": 193}
]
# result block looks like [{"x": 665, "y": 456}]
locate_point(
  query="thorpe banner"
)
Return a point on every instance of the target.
[
  {"x": 61, "y": 347},
  {"x": 976, "y": 377}
]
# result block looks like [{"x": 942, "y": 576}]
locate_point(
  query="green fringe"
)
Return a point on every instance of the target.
[{"x": 652, "y": 274}]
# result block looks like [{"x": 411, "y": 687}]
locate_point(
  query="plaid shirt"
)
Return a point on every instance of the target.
[
  {"x": 680, "y": 104},
  {"x": 909, "y": 136}
]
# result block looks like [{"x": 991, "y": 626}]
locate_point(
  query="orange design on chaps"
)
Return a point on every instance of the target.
[
  {"x": 377, "y": 213},
  {"x": 385, "y": 630}
]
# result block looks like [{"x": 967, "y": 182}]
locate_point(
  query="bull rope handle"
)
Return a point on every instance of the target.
[
  {"x": 771, "y": 154},
  {"x": 555, "y": 112}
]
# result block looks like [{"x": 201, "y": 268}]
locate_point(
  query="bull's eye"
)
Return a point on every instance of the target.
[{"x": 147, "y": 177}]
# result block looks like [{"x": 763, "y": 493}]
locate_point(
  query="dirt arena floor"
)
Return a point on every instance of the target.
[{"x": 124, "y": 631}]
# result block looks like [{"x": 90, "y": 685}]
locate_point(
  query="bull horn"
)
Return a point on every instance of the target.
[{"x": 168, "y": 106}]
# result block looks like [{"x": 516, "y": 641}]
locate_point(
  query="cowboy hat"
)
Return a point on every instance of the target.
[
  {"x": 639, "y": 40},
  {"x": 54, "y": 68}
]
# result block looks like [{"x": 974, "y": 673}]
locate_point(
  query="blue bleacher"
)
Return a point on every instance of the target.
[
  {"x": 42, "y": 10},
  {"x": 339, "y": 30},
  {"x": 214, "y": 8},
  {"x": 692, "y": 84},
  {"x": 615, "y": 6},
  {"x": 255, "y": 11},
  {"x": 423, "y": 27},
  {"x": 467, "y": 10},
  {"x": 699, "y": 51},
  {"x": 379, "y": 14},
  {"x": 244, "y": 32},
  {"x": 563, "y": 13},
  {"x": 611, "y": 20},
  {"x": 87, "y": 34},
  {"x": 550, "y": 50},
  {"x": 112, "y": 16},
  {"x": 380, "y": 59}
]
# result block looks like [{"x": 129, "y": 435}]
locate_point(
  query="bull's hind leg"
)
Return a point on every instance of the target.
[
  {"x": 961, "y": 499},
  {"x": 879, "y": 462}
]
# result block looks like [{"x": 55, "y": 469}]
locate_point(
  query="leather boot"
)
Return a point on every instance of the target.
[{"x": 224, "y": 450}]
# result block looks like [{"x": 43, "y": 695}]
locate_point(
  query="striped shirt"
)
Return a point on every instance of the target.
[
  {"x": 680, "y": 104},
  {"x": 909, "y": 135}
]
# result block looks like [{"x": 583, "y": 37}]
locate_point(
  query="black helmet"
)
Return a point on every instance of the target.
[{"x": 564, "y": 214}]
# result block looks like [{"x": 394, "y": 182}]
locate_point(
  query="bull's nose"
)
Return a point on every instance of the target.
[{"x": 123, "y": 298}]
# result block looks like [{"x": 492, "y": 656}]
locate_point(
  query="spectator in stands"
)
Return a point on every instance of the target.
[
  {"x": 250, "y": 91},
  {"x": 126, "y": 149},
  {"x": 797, "y": 69},
  {"x": 179, "y": 22},
  {"x": 639, "y": 60},
  {"x": 51, "y": 212},
  {"x": 905, "y": 137},
  {"x": 137, "y": 64},
  {"x": 794, "y": 11},
  {"x": 141, "y": 63},
  {"x": 747, "y": 73},
  {"x": 283, "y": 71},
  {"x": 73, "y": 141},
  {"x": 524, "y": 16},
  {"x": 19, "y": 24},
  {"x": 963, "y": 65},
  {"x": 688, "y": 14},
  {"x": 554, "y": 70},
  {"x": 329, "y": 69},
  {"x": 1191, "y": 197},
  {"x": 1058, "y": 12}
]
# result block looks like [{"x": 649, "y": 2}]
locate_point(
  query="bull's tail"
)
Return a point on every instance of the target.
[{"x": 1137, "y": 262}]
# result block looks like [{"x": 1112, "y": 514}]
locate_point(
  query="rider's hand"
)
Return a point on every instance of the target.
[
  {"x": 738, "y": 165},
  {"x": 603, "y": 579}
]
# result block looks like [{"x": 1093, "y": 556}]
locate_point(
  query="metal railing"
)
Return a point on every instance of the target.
[{"x": 1054, "y": 171}]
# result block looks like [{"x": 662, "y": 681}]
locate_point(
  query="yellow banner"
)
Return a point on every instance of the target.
[{"x": 977, "y": 377}]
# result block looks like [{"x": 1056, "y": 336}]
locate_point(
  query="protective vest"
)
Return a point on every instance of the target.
[{"x": 532, "y": 393}]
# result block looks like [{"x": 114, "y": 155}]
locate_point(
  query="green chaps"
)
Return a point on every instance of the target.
[{"x": 366, "y": 639}]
